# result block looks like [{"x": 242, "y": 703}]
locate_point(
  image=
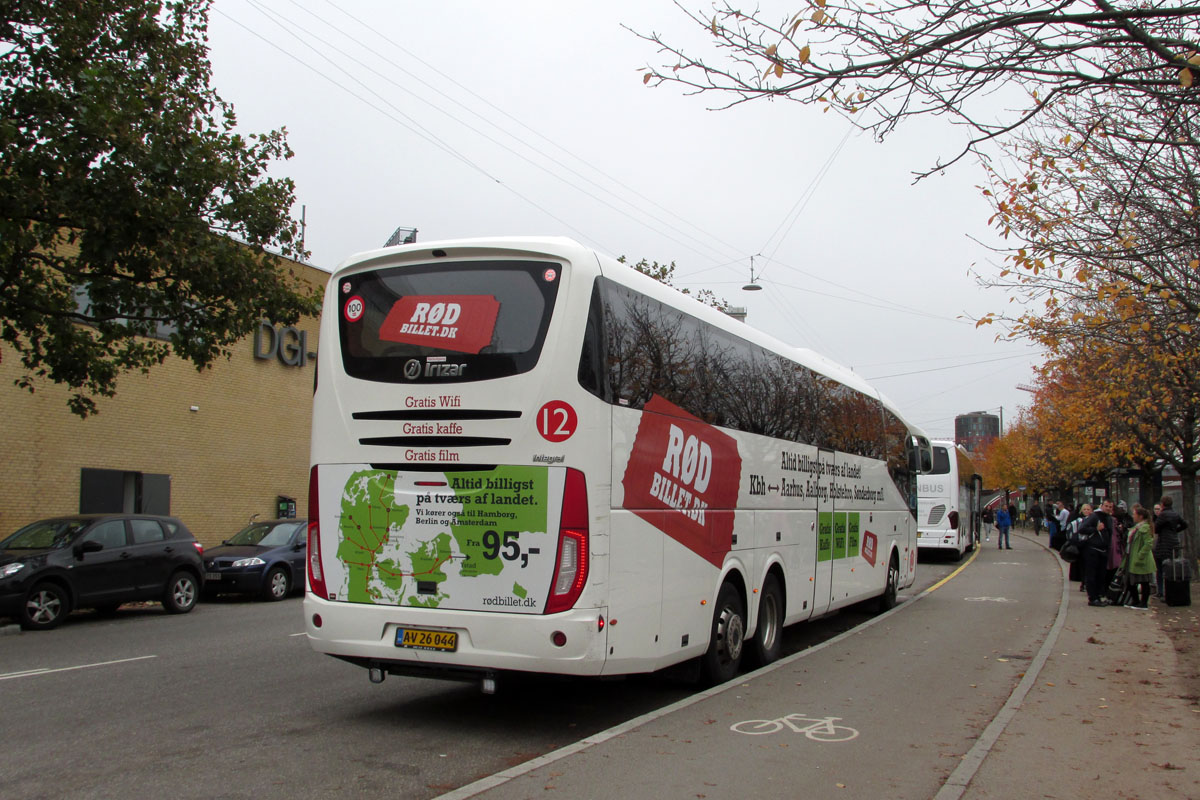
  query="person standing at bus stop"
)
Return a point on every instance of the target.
[
  {"x": 1139, "y": 561},
  {"x": 1168, "y": 527},
  {"x": 1094, "y": 535},
  {"x": 986, "y": 517},
  {"x": 1003, "y": 523},
  {"x": 1052, "y": 526},
  {"x": 1035, "y": 514},
  {"x": 1062, "y": 514}
]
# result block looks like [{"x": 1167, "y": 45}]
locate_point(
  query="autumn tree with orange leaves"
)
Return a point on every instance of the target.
[{"x": 1105, "y": 274}]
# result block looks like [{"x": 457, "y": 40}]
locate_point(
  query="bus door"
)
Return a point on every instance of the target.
[
  {"x": 976, "y": 506},
  {"x": 823, "y": 573}
]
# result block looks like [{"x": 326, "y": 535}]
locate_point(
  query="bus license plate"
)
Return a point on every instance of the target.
[{"x": 420, "y": 639}]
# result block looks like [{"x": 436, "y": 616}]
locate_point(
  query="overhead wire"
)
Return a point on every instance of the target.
[
  {"x": 427, "y": 135},
  {"x": 410, "y": 125},
  {"x": 705, "y": 232},
  {"x": 620, "y": 209},
  {"x": 952, "y": 366},
  {"x": 802, "y": 201}
]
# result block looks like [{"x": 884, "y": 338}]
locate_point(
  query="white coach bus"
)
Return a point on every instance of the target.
[
  {"x": 528, "y": 456},
  {"x": 950, "y": 501}
]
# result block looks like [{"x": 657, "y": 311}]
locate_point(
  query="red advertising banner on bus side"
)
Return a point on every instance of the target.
[
  {"x": 460, "y": 322},
  {"x": 683, "y": 478}
]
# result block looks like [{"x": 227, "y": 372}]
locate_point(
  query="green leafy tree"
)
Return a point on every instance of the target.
[{"x": 134, "y": 221}]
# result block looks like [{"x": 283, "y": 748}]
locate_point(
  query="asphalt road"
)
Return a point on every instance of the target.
[{"x": 229, "y": 701}]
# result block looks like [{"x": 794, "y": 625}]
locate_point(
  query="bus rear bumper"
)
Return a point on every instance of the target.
[
  {"x": 486, "y": 642},
  {"x": 941, "y": 540}
]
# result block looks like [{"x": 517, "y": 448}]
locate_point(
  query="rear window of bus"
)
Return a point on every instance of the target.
[{"x": 487, "y": 318}]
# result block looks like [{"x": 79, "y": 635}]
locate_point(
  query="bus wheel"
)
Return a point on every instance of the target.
[
  {"x": 887, "y": 600},
  {"x": 725, "y": 641},
  {"x": 768, "y": 638}
]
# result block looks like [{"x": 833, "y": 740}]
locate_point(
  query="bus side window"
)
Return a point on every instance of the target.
[{"x": 591, "y": 359}]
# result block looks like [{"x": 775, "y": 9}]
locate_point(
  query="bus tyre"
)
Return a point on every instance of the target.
[
  {"x": 726, "y": 638},
  {"x": 768, "y": 638},
  {"x": 887, "y": 600}
]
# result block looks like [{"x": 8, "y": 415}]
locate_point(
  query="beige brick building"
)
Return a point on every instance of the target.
[{"x": 211, "y": 447}]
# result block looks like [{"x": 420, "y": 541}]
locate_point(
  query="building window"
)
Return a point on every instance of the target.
[{"x": 114, "y": 491}]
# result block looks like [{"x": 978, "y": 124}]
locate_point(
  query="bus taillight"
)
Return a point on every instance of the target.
[
  {"x": 571, "y": 568},
  {"x": 316, "y": 575},
  {"x": 953, "y": 520}
]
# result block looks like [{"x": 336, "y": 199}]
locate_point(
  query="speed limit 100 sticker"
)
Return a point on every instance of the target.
[
  {"x": 557, "y": 421},
  {"x": 353, "y": 310}
]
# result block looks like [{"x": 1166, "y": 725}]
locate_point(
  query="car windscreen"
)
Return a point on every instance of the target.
[
  {"x": 44, "y": 534},
  {"x": 446, "y": 322},
  {"x": 265, "y": 534}
]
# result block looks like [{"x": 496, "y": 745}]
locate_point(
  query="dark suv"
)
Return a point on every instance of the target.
[{"x": 97, "y": 561}]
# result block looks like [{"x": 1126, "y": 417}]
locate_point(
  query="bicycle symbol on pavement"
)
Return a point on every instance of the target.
[{"x": 819, "y": 729}]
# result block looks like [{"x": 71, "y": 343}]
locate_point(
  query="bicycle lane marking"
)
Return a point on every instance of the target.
[
  {"x": 504, "y": 776},
  {"x": 819, "y": 729},
  {"x": 33, "y": 673}
]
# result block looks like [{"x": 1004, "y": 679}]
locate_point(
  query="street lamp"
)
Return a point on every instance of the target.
[{"x": 751, "y": 286}]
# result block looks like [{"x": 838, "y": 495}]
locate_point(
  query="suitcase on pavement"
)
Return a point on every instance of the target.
[
  {"x": 1177, "y": 582},
  {"x": 1178, "y": 593}
]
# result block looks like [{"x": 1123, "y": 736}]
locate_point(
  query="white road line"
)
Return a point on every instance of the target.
[
  {"x": 294, "y": 635},
  {"x": 29, "y": 673}
]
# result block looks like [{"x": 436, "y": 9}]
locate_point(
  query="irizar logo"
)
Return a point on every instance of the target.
[{"x": 434, "y": 369}]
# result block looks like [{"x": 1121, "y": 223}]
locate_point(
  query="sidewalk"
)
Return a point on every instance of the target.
[
  {"x": 1112, "y": 710},
  {"x": 1115, "y": 712}
]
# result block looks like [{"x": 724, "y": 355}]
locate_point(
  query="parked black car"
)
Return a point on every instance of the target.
[
  {"x": 264, "y": 558},
  {"x": 100, "y": 561}
]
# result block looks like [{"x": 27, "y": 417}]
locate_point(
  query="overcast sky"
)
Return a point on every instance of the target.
[{"x": 478, "y": 118}]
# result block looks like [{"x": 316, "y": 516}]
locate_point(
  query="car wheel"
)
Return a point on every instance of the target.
[
  {"x": 181, "y": 593},
  {"x": 44, "y": 607},
  {"x": 726, "y": 637},
  {"x": 277, "y": 584}
]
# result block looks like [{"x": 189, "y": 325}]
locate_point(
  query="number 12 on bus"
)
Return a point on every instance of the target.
[{"x": 527, "y": 456}]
